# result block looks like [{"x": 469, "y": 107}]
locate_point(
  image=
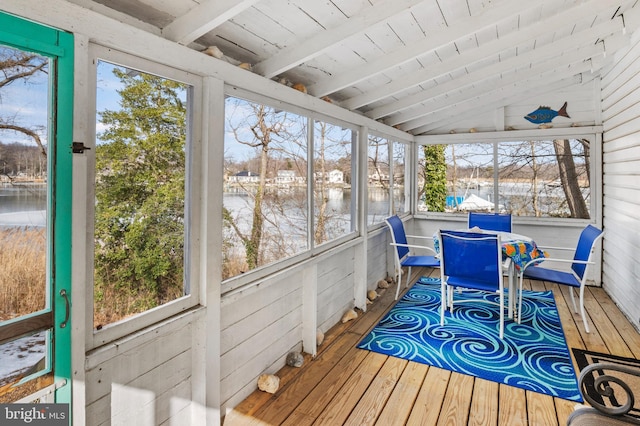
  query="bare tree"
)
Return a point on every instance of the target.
[
  {"x": 320, "y": 232},
  {"x": 18, "y": 66},
  {"x": 262, "y": 130},
  {"x": 569, "y": 179}
]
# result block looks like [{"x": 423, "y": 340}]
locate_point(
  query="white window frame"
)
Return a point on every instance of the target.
[
  {"x": 194, "y": 194},
  {"x": 255, "y": 275},
  {"x": 593, "y": 133}
]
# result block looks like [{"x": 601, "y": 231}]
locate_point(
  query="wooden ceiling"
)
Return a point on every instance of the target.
[{"x": 407, "y": 63}]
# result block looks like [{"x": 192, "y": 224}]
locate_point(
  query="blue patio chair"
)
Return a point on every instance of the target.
[
  {"x": 490, "y": 221},
  {"x": 575, "y": 278},
  {"x": 403, "y": 254},
  {"x": 472, "y": 261}
]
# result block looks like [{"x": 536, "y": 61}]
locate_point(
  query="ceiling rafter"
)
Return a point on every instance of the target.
[
  {"x": 499, "y": 96},
  {"x": 464, "y": 27},
  {"x": 499, "y": 102},
  {"x": 463, "y": 60},
  {"x": 545, "y": 70},
  {"x": 204, "y": 18},
  {"x": 294, "y": 55},
  {"x": 566, "y": 46}
]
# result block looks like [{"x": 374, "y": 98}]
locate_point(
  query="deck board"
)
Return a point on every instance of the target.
[
  {"x": 346, "y": 385},
  {"x": 427, "y": 407},
  {"x": 400, "y": 402},
  {"x": 484, "y": 404}
]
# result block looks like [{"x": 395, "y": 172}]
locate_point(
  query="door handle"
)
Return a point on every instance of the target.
[{"x": 63, "y": 293}]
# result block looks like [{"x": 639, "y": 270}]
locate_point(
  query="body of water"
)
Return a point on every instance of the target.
[{"x": 23, "y": 205}]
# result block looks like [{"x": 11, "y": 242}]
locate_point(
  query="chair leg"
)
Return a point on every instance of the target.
[
  {"x": 573, "y": 300},
  {"x": 520, "y": 299},
  {"x": 443, "y": 301},
  {"x": 583, "y": 313},
  {"x": 408, "y": 277},
  {"x": 502, "y": 313},
  {"x": 452, "y": 292},
  {"x": 398, "y": 282}
]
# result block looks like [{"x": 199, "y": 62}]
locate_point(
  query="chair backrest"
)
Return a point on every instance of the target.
[
  {"x": 398, "y": 236},
  {"x": 588, "y": 238},
  {"x": 471, "y": 255},
  {"x": 490, "y": 221}
]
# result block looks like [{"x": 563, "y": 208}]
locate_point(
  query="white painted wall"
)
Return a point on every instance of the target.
[{"x": 621, "y": 192}]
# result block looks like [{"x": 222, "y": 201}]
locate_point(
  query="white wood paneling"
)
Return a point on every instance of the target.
[
  {"x": 138, "y": 375},
  {"x": 379, "y": 257},
  {"x": 335, "y": 288},
  {"x": 621, "y": 192}
]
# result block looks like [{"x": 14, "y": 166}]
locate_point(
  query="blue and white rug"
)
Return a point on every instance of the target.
[{"x": 533, "y": 355}]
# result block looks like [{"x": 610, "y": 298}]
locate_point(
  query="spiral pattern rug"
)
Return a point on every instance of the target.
[{"x": 533, "y": 355}]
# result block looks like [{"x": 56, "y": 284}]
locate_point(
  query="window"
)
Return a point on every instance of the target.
[
  {"x": 398, "y": 180},
  {"x": 536, "y": 177},
  {"x": 143, "y": 190},
  {"x": 545, "y": 178},
  {"x": 378, "y": 179},
  {"x": 266, "y": 187},
  {"x": 287, "y": 185},
  {"x": 334, "y": 206}
]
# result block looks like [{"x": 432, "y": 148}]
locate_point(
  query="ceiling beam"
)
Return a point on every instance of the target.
[
  {"x": 578, "y": 63},
  {"x": 304, "y": 50},
  {"x": 496, "y": 97},
  {"x": 571, "y": 65},
  {"x": 498, "y": 102},
  {"x": 204, "y": 18},
  {"x": 516, "y": 38},
  {"x": 572, "y": 48}
]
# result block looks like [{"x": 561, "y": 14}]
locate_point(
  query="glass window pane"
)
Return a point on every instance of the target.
[
  {"x": 545, "y": 178},
  {"x": 539, "y": 178},
  {"x": 378, "y": 177},
  {"x": 455, "y": 178},
  {"x": 400, "y": 190},
  {"x": 140, "y": 185},
  {"x": 25, "y": 366},
  {"x": 23, "y": 184},
  {"x": 265, "y": 191},
  {"x": 333, "y": 208}
]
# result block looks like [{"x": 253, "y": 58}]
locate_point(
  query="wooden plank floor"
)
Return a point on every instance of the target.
[{"x": 345, "y": 385}]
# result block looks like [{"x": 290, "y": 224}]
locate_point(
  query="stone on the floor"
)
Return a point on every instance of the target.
[
  {"x": 295, "y": 359},
  {"x": 349, "y": 315},
  {"x": 268, "y": 383}
]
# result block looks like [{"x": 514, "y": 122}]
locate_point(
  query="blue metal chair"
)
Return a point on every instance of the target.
[
  {"x": 575, "y": 278},
  {"x": 403, "y": 254},
  {"x": 490, "y": 221},
  {"x": 473, "y": 261}
]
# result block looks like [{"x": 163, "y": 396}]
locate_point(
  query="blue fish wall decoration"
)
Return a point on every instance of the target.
[{"x": 544, "y": 114}]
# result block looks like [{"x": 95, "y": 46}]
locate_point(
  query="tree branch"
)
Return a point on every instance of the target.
[{"x": 27, "y": 132}]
